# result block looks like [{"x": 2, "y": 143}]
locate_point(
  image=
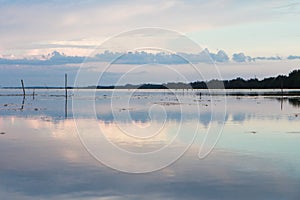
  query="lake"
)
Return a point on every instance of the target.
[{"x": 149, "y": 144}]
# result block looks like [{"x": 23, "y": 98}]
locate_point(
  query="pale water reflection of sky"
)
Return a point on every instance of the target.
[{"x": 256, "y": 156}]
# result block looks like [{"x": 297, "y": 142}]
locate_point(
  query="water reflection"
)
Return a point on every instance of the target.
[
  {"x": 45, "y": 160},
  {"x": 294, "y": 101},
  {"x": 42, "y": 157}
]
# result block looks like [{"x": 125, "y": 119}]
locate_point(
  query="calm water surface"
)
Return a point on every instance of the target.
[{"x": 42, "y": 157}]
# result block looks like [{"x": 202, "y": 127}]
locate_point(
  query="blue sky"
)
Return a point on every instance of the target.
[
  {"x": 257, "y": 28},
  {"x": 35, "y": 29}
]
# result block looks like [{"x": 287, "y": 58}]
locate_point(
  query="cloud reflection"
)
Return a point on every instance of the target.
[{"x": 42, "y": 157}]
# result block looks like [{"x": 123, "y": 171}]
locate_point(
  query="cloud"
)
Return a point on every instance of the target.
[
  {"x": 241, "y": 57},
  {"x": 268, "y": 58},
  {"x": 138, "y": 57},
  {"x": 206, "y": 57},
  {"x": 293, "y": 57},
  {"x": 56, "y": 58},
  {"x": 221, "y": 56}
]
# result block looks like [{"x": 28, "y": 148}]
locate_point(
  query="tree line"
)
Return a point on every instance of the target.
[{"x": 291, "y": 81}]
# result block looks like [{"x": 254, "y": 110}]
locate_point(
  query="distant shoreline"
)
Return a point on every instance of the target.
[{"x": 292, "y": 81}]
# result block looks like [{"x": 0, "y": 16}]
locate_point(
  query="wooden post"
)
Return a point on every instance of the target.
[
  {"x": 23, "y": 87},
  {"x": 66, "y": 84},
  {"x": 281, "y": 106},
  {"x": 23, "y": 101},
  {"x": 66, "y": 96}
]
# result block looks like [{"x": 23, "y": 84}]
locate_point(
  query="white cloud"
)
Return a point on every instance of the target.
[{"x": 241, "y": 57}]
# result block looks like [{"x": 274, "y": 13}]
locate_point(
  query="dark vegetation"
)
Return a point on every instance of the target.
[{"x": 292, "y": 81}]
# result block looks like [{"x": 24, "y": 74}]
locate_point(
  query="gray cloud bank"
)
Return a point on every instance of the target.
[{"x": 57, "y": 58}]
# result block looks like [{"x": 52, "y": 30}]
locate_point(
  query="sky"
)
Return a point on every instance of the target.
[{"x": 35, "y": 29}]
